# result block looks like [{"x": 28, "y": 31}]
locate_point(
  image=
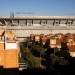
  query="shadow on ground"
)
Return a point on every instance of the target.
[
  {"x": 34, "y": 72},
  {"x": 10, "y": 71}
]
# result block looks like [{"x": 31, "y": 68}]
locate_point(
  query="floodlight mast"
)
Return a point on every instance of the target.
[{"x": 11, "y": 15}]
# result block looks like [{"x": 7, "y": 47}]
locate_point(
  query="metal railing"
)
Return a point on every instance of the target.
[{"x": 23, "y": 65}]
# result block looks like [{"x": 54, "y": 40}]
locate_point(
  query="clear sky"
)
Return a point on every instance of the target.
[{"x": 40, "y": 7}]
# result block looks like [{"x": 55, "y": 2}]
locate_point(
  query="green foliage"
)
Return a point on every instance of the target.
[
  {"x": 52, "y": 56},
  {"x": 42, "y": 51},
  {"x": 27, "y": 41},
  {"x": 63, "y": 62},
  {"x": 21, "y": 47},
  {"x": 55, "y": 60},
  {"x": 21, "y": 60},
  {"x": 56, "y": 49},
  {"x": 27, "y": 56},
  {"x": 58, "y": 60},
  {"x": 39, "y": 49},
  {"x": 31, "y": 60}
]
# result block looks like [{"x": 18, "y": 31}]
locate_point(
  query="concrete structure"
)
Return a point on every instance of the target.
[
  {"x": 23, "y": 26},
  {"x": 9, "y": 49}
]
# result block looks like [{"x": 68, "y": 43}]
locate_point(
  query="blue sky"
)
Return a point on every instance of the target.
[{"x": 40, "y": 7}]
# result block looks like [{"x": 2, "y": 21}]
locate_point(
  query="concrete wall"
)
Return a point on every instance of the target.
[
  {"x": 40, "y": 27},
  {"x": 25, "y": 31},
  {"x": 10, "y": 46},
  {"x": 40, "y": 17},
  {"x": 36, "y": 24}
]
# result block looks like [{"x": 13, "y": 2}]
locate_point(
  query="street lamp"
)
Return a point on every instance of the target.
[
  {"x": 45, "y": 50},
  {"x": 40, "y": 59},
  {"x": 54, "y": 47},
  {"x": 40, "y": 55},
  {"x": 31, "y": 46}
]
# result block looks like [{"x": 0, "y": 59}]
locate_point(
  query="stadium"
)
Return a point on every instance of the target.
[{"x": 23, "y": 26}]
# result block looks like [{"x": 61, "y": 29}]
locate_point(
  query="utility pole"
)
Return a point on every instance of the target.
[
  {"x": 40, "y": 55},
  {"x": 54, "y": 51},
  {"x": 40, "y": 60}
]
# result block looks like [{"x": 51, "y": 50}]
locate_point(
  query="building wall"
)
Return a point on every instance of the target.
[
  {"x": 1, "y": 46},
  {"x": 17, "y": 44},
  {"x": 2, "y": 58},
  {"x": 72, "y": 54},
  {"x": 9, "y": 53},
  {"x": 26, "y": 33},
  {"x": 12, "y": 45},
  {"x": 11, "y": 59},
  {"x": 52, "y": 41}
]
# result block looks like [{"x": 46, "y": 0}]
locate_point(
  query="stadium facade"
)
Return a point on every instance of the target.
[{"x": 23, "y": 26}]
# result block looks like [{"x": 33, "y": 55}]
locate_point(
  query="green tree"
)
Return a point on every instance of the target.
[
  {"x": 42, "y": 51},
  {"x": 21, "y": 60},
  {"x": 58, "y": 60},
  {"x": 34, "y": 63},
  {"x": 55, "y": 51},
  {"x": 63, "y": 62},
  {"x": 55, "y": 60},
  {"x": 21, "y": 47},
  {"x": 27, "y": 41},
  {"x": 38, "y": 49},
  {"x": 28, "y": 57}
]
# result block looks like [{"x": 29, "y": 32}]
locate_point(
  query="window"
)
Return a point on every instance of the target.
[
  {"x": 57, "y": 22},
  {"x": 57, "y": 38},
  {"x": 29, "y": 23},
  {"x": 7, "y": 38},
  {"x": 50, "y": 24},
  {"x": 73, "y": 55},
  {"x": 14, "y": 38},
  {"x": 43, "y": 22},
  {"x": 52, "y": 42},
  {"x": 69, "y": 22},
  {"x": 73, "y": 24},
  {"x": 22, "y": 24}
]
